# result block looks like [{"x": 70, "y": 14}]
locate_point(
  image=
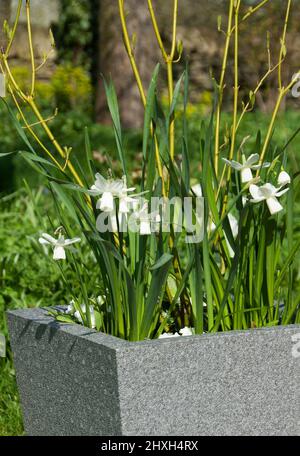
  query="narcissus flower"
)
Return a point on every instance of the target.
[
  {"x": 246, "y": 166},
  {"x": 268, "y": 193},
  {"x": 59, "y": 245},
  {"x": 110, "y": 189}
]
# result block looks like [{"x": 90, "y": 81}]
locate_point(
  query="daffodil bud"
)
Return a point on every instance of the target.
[{"x": 284, "y": 179}]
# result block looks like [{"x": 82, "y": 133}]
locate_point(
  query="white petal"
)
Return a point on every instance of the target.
[
  {"x": 128, "y": 190},
  {"x": 107, "y": 202},
  {"x": 234, "y": 225},
  {"x": 263, "y": 165},
  {"x": 59, "y": 253},
  {"x": 72, "y": 241},
  {"x": 246, "y": 175},
  {"x": 235, "y": 230},
  {"x": 230, "y": 249},
  {"x": 211, "y": 226},
  {"x": 282, "y": 192},
  {"x": 93, "y": 318},
  {"x": 233, "y": 164},
  {"x": 197, "y": 189},
  {"x": 70, "y": 307},
  {"x": 168, "y": 335},
  {"x": 186, "y": 331},
  {"x": 116, "y": 188},
  {"x": 251, "y": 160},
  {"x": 124, "y": 205},
  {"x": 274, "y": 205},
  {"x": 284, "y": 179},
  {"x": 267, "y": 190},
  {"x": 78, "y": 316},
  {"x": 94, "y": 191},
  {"x": 49, "y": 238},
  {"x": 100, "y": 182},
  {"x": 100, "y": 300},
  {"x": 256, "y": 193},
  {"x": 43, "y": 241}
]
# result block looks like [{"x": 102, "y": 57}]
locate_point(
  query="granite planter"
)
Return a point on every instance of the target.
[{"x": 75, "y": 381}]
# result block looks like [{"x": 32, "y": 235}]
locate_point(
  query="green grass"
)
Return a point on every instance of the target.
[
  {"x": 24, "y": 270},
  {"x": 10, "y": 414},
  {"x": 21, "y": 286}
]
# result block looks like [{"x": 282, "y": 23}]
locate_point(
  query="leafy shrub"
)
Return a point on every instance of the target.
[{"x": 71, "y": 87}]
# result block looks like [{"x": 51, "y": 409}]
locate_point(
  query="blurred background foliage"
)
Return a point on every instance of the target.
[{"x": 89, "y": 44}]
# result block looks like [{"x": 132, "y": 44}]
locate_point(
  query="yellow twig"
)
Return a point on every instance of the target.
[
  {"x": 32, "y": 132},
  {"x": 30, "y": 47},
  {"x": 14, "y": 28},
  {"x": 156, "y": 30},
  {"x": 55, "y": 143},
  {"x": 39, "y": 67},
  {"x": 169, "y": 60},
  {"x": 235, "y": 96},
  {"x": 138, "y": 79},
  {"x": 46, "y": 120},
  {"x": 251, "y": 11},
  {"x": 283, "y": 41},
  {"x": 282, "y": 93},
  {"x": 221, "y": 88}
]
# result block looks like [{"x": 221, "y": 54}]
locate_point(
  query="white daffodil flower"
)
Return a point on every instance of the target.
[
  {"x": 110, "y": 189},
  {"x": 246, "y": 166},
  {"x": 268, "y": 193},
  {"x": 168, "y": 335},
  {"x": 72, "y": 310},
  {"x": 59, "y": 245},
  {"x": 186, "y": 331}
]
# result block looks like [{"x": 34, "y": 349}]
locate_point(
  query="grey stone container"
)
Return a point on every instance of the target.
[{"x": 76, "y": 381}]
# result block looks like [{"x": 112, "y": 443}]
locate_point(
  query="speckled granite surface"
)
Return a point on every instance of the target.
[{"x": 75, "y": 381}]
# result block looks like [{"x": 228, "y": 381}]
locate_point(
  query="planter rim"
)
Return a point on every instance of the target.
[{"x": 39, "y": 316}]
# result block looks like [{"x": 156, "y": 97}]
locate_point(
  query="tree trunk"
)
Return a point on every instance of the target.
[
  {"x": 114, "y": 62},
  {"x": 5, "y": 12}
]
